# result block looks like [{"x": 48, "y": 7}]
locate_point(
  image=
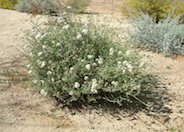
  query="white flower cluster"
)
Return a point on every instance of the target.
[
  {"x": 94, "y": 86},
  {"x": 79, "y": 36},
  {"x": 125, "y": 66},
  {"x": 43, "y": 92},
  {"x": 77, "y": 85},
  {"x": 65, "y": 27},
  {"x": 41, "y": 64},
  {"x": 99, "y": 60},
  {"x": 114, "y": 83},
  {"x": 128, "y": 65},
  {"x": 85, "y": 31},
  {"x": 39, "y": 35},
  {"x": 88, "y": 67},
  {"x": 111, "y": 51},
  {"x": 90, "y": 56}
]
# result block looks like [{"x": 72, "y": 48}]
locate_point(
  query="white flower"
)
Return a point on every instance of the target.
[
  {"x": 86, "y": 78},
  {"x": 88, "y": 66},
  {"x": 38, "y": 36},
  {"x": 43, "y": 92},
  {"x": 82, "y": 60},
  {"x": 76, "y": 85},
  {"x": 111, "y": 51},
  {"x": 66, "y": 27},
  {"x": 40, "y": 53},
  {"x": 129, "y": 52},
  {"x": 49, "y": 73},
  {"x": 120, "y": 52},
  {"x": 29, "y": 65},
  {"x": 58, "y": 44},
  {"x": 94, "y": 64},
  {"x": 29, "y": 72},
  {"x": 130, "y": 67},
  {"x": 94, "y": 80},
  {"x": 71, "y": 93},
  {"x": 100, "y": 60},
  {"x": 71, "y": 69},
  {"x": 43, "y": 63},
  {"x": 119, "y": 62},
  {"x": 94, "y": 91},
  {"x": 85, "y": 31},
  {"x": 50, "y": 62},
  {"x": 124, "y": 71},
  {"x": 42, "y": 81},
  {"x": 94, "y": 86},
  {"x": 90, "y": 56},
  {"x": 38, "y": 62},
  {"x": 52, "y": 79},
  {"x": 115, "y": 83},
  {"x": 125, "y": 62},
  {"x": 79, "y": 36},
  {"x": 44, "y": 46},
  {"x": 35, "y": 81}
]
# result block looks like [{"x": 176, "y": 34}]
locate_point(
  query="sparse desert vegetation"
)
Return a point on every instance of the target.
[{"x": 69, "y": 67}]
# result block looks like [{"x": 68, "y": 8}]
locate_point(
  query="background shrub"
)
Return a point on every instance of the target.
[
  {"x": 81, "y": 63},
  {"x": 155, "y": 8},
  {"x": 78, "y": 6},
  {"x": 52, "y": 7},
  {"x": 165, "y": 36},
  {"x": 7, "y": 4}
]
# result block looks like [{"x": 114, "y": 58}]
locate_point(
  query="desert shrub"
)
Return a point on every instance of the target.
[
  {"x": 155, "y": 8},
  {"x": 78, "y": 6},
  {"x": 51, "y": 7},
  {"x": 81, "y": 63},
  {"x": 7, "y": 4},
  {"x": 165, "y": 36}
]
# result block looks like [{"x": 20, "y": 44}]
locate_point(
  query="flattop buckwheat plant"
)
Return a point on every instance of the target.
[{"x": 78, "y": 62}]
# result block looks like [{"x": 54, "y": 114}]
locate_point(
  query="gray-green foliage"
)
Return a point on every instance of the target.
[
  {"x": 51, "y": 7},
  {"x": 78, "y": 62},
  {"x": 165, "y": 36}
]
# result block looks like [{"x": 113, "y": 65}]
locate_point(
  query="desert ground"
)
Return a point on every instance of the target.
[{"x": 24, "y": 109}]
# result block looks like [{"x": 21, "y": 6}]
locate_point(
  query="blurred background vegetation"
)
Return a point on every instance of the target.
[
  {"x": 8, "y": 4},
  {"x": 158, "y": 9},
  {"x": 155, "y": 8}
]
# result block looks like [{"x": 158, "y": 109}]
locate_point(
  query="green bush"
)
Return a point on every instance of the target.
[
  {"x": 155, "y": 8},
  {"x": 81, "y": 63},
  {"x": 51, "y": 7},
  {"x": 165, "y": 36},
  {"x": 7, "y": 4},
  {"x": 78, "y": 6}
]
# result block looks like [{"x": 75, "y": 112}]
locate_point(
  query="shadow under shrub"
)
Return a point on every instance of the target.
[
  {"x": 81, "y": 63},
  {"x": 165, "y": 36},
  {"x": 49, "y": 7}
]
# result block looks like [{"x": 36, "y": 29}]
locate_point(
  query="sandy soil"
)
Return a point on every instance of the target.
[{"x": 23, "y": 109}]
